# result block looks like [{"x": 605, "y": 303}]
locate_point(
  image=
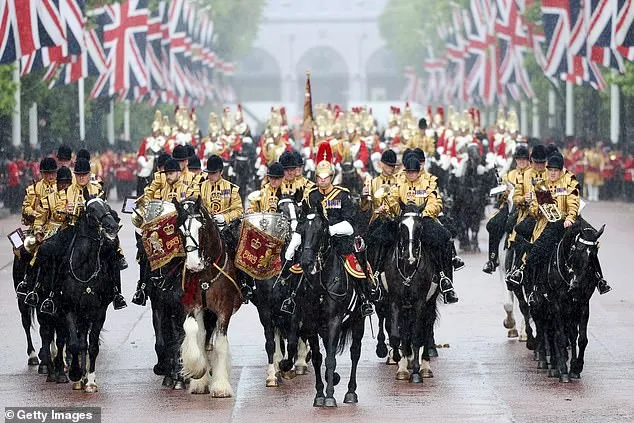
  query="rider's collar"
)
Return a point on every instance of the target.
[{"x": 327, "y": 190}]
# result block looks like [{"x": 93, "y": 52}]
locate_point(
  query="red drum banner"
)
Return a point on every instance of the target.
[
  {"x": 162, "y": 241},
  {"x": 258, "y": 254}
]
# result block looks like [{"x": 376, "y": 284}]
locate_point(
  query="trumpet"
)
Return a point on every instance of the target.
[
  {"x": 546, "y": 202},
  {"x": 381, "y": 195}
]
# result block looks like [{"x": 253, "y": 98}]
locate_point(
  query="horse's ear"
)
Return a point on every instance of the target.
[
  {"x": 600, "y": 232},
  {"x": 178, "y": 206},
  {"x": 198, "y": 202},
  {"x": 86, "y": 193}
]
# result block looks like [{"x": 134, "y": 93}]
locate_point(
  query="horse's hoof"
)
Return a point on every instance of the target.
[
  {"x": 542, "y": 365},
  {"x": 272, "y": 383},
  {"x": 91, "y": 389},
  {"x": 416, "y": 378},
  {"x": 33, "y": 361},
  {"x": 168, "y": 381},
  {"x": 432, "y": 351},
  {"x": 389, "y": 360},
  {"x": 553, "y": 373},
  {"x": 288, "y": 375},
  {"x": 512, "y": 333},
  {"x": 179, "y": 385},
  {"x": 564, "y": 378},
  {"x": 351, "y": 398},
  {"x": 509, "y": 323},
  {"x": 336, "y": 379},
  {"x": 301, "y": 370},
  {"x": 159, "y": 370},
  {"x": 50, "y": 377},
  {"x": 381, "y": 350},
  {"x": 319, "y": 402},
  {"x": 286, "y": 365},
  {"x": 426, "y": 373},
  {"x": 75, "y": 374},
  {"x": 403, "y": 375},
  {"x": 42, "y": 369},
  {"x": 330, "y": 402},
  {"x": 78, "y": 386},
  {"x": 574, "y": 375},
  {"x": 61, "y": 378}
]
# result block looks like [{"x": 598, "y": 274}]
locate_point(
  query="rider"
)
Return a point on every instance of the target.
[
  {"x": 496, "y": 225},
  {"x": 68, "y": 205},
  {"x": 269, "y": 195},
  {"x": 64, "y": 156},
  {"x": 419, "y": 188},
  {"x": 339, "y": 212}
]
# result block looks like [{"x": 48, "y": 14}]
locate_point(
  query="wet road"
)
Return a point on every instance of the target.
[{"x": 482, "y": 376}]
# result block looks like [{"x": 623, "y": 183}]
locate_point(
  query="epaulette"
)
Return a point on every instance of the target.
[
  {"x": 339, "y": 187},
  {"x": 232, "y": 185}
]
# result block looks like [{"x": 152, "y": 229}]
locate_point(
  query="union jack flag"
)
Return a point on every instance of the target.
[
  {"x": 625, "y": 29},
  {"x": 601, "y": 15},
  {"x": 481, "y": 81},
  {"x": 154, "y": 52}
]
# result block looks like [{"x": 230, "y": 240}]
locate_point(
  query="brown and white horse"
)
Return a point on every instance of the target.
[{"x": 211, "y": 297}]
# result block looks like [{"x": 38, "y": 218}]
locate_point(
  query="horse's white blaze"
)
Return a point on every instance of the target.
[
  {"x": 221, "y": 366},
  {"x": 302, "y": 352},
  {"x": 193, "y": 260},
  {"x": 409, "y": 224},
  {"x": 277, "y": 355},
  {"x": 193, "y": 353},
  {"x": 200, "y": 385}
]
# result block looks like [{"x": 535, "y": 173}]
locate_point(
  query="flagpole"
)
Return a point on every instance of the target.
[
  {"x": 615, "y": 110},
  {"x": 33, "y": 124},
  {"x": 536, "y": 124},
  {"x": 551, "y": 110},
  {"x": 126, "y": 120},
  {"x": 570, "y": 110},
  {"x": 17, "y": 121},
  {"x": 111, "y": 124},
  {"x": 523, "y": 117},
  {"x": 82, "y": 112}
]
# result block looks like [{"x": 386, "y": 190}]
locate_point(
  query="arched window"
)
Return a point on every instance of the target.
[
  {"x": 328, "y": 75},
  {"x": 258, "y": 77}
]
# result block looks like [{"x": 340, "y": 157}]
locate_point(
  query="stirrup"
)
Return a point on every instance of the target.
[
  {"x": 457, "y": 263},
  {"x": 444, "y": 280},
  {"x": 516, "y": 277},
  {"x": 367, "y": 309},
  {"x": 247, "y": 293},
  {"x": 22, "y": 289},
  {"x": 48, "y": 306},
  {"x": 31, "y": 299},
  {"x": 288, "y": 305},
  {"x": 119, "y": 302},
  {"x": 139, "y": 297}
]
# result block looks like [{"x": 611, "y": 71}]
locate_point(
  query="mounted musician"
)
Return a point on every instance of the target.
[{"x": 420, "y": 188}]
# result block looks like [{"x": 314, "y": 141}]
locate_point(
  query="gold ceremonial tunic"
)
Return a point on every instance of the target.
[
  {"x": 565, "y": 191},
  {"x": 221, "y": 197},
  {"x": 267, "y": 202},
  {"x": 33, "y": 199},
  {"x": 74, "y": 195},
  {"x": 49, "y": 218},
  {"x": 420, "y": 192},
  {"x": 369, "y": 201}
]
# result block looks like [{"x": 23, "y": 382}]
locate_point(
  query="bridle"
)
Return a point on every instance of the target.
[{"x": 408, "y": 279}]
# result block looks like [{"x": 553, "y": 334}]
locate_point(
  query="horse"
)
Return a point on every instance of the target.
[
  {"x": 561, "y": 316},
  {"x": 279, "y": 315},
  {"x": 21, "y": 259},
  {"x": 243, "y": 165},
  {"x": 86, "y": 282},
  {"x": 412, "y": 296},
  {"x": 331, "y": 309},
  {"x": 351, "y": 179},
  {"x": 211, "y": 297}
]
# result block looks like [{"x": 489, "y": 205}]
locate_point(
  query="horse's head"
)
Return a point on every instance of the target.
[
  {"x": 584, "y": 246},
  {"x": 314, "y": 234},
  {"x": 98, "y": 214},
  {"x": 288, "y": 206},
  {"x": 409, "y": 231},
  {"x": 191, "y": 219}
]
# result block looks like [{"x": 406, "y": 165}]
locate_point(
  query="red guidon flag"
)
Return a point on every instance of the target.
[
  {"x": 258, "y": 254},
  {"x": 162, "y": 241}
]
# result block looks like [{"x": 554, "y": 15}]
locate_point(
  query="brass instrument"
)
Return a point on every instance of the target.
[
  {"x": 546, "y": 202},
  {"x": 381, "y": 196}
]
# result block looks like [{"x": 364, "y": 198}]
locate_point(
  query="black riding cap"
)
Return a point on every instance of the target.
[
  {"x": 83, "y": 154},
  {"x": 556, "y": 161},
  {"x": 276, "y": 170},
  {"x": 48, "y": 164},
  {"x": 539, "y": 154},
  {"x": 389, "y": 157},
  {"x": 82, "y": 167},
  {"x": 214, "y": 164},
  {"x": 162, "y": 159},
  {"x": 63, "y": 174},
  {"x": 180, "y": 153},
  {"x": 521, "y": 152},
  {"x": 412, "y": 164},
  {"x": 172, "y": 166},
  {"x": 422, "y": 123},
  {"x": 193, "y": 163},
  {"x": 551, "y": 149},
  {"x": 420, "y": 154},
  {"x": 287, "y": 160},
  {"x": 298, "y": 158},
  {"x": 64, "y": 152}
]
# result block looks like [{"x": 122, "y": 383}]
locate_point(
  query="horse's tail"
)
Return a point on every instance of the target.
[
  {"x": 345, "y": 337},
  {"x": 192, "y": 349}
]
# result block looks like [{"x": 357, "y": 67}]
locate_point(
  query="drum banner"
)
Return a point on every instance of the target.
[
  {"x": 258, "y": 254},
  {"x": 162, "y": 241}
]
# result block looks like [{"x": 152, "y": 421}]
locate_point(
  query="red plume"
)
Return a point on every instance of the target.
[
  {"x": 324, "y": 152},
  {"x": 478, "y": 117}
]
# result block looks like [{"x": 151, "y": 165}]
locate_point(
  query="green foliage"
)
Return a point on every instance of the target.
[{"x": 7, "y": 90}]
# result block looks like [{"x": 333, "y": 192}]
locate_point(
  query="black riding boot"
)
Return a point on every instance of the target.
[
  {"x": 247, "y": 291},
  {"x": 363, "y": 285},
  {"x": 118, "y": 302},
  {"x": 456, "y": 261},
  {"x": 492, "y": 264},
  {"x": 48, "y": 305},
  {"x": 445, "y": 284},
  {"x": 602, "y": 284},
  {"x": 30, "y": 284}
]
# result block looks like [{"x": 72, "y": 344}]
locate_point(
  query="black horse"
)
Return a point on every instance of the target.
[
  {"x": 331, "y": 309},
  {"x": 21, "y": 259},
  {"x": 561, "y": 314},
  {"x": 243, "y": 165},
  {"x": 351, "y": 179},
  {"x": 87, "y": 275},
  {"x": 412, "y": 296}
]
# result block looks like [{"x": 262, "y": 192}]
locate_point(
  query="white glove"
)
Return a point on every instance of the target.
[
  {"x": 220, "y": 219},
  {"x": 341, "y": 228},
  {"x": 296, "y": 240},
  {"x": 310, "y": 165},
  {"x": 230, "y": 171},
  {"x": 358, "y": 164}
]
